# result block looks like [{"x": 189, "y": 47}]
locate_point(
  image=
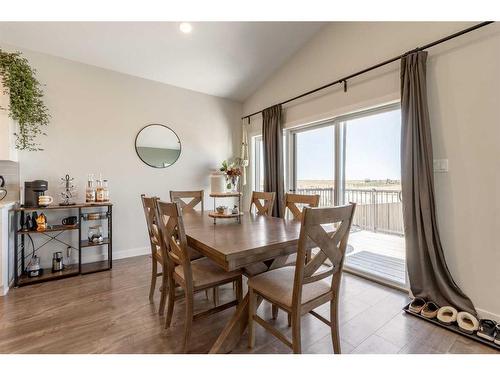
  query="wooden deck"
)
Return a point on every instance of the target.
[{"x": 379, "y": 254}]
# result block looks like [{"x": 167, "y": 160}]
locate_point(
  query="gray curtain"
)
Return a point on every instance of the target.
[
  {"x": 427, "y": 271},
  {"x": 272, "y": 140}
]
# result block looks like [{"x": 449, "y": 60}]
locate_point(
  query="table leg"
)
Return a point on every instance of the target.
[{"x": 234, "y": 329}]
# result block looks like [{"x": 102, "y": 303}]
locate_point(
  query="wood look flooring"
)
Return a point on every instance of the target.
[{"x": 109, "y": 312}]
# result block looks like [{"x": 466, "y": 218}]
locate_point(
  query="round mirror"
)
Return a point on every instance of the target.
[{"x": 158, "y": 146}]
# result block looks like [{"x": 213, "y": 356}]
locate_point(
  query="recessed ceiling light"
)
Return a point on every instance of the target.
[{"x": 185, "y": 27}]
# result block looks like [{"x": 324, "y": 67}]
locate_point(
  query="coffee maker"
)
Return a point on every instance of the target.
[{"x": 32, "y": 190}]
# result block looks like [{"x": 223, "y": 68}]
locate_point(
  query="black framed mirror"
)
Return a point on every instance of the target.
[{"x": 157, "y": 146}]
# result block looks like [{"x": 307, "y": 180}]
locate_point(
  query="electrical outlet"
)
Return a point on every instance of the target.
[{"x": 440, "y": 165}]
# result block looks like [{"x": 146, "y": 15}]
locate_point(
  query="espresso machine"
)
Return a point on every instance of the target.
[{"x": 32, "y": 190}]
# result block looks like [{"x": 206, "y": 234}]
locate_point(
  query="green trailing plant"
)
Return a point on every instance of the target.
[{"x": 26, "y": 99}]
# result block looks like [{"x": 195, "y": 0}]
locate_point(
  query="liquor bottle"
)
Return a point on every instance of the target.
[{"x": 90, "y": 191}]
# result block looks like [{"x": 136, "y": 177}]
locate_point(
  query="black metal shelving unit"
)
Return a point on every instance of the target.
[{"x": 52, "y": 233}]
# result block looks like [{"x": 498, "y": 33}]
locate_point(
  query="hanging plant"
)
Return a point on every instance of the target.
[{"x": 26, "y": 99}]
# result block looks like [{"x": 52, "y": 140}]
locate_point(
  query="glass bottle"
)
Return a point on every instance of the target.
[
  {"x": 105, "y": 189},
  {"x": 90, "y": 190},
  {"x": 99, "y": 191}
]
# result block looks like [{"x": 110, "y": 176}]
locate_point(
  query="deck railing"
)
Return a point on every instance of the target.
[{"x": 377, "y": 210}]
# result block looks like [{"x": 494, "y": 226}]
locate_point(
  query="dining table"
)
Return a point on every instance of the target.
[{"x": 255, "y": 244}]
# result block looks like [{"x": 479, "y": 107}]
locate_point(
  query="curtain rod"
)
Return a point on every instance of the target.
[{"x": 373, "y": 67}]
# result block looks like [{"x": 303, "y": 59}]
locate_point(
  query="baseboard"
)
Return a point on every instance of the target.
[
  {"x": 119, "y": 254},
  {"x": 483, "y": 314}
]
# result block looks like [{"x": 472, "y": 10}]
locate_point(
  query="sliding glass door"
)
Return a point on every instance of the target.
[
  {"x": 356, "y": 158},
  {"x": 372, "y": 179}
]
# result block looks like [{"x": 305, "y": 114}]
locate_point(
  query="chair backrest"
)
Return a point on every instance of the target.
[
  {"x": 291, "y": 201},
  {"x": 196, "y": 198},
  {"x": 149, "y": 205},
  {"x": 328, "y": 229},
  {"x": 171, "y": 225},
  {"x": 263, "y": 202}
]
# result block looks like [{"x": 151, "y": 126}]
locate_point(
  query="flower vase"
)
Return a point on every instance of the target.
[{"x": 232, "y": 184}]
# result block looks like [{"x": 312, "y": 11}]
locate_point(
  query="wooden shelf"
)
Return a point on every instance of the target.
[
  {"x": 86, "y": 243},
  {"x": 57, "y": 207},
  {"x": 217, "y": 215},
  {"x": 48, "y": 275},
  {"x": 51, "y": 228},
  {"x": 226, "y": 195},
  {"x": 95, "y": 267},
  {"x": 453, "y": 328}
]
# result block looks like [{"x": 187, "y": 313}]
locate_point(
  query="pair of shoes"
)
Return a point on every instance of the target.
[
  {"x": 427, "y": 309},
  {"x": 467, "y": 322},
  {"x": 489, "y": 330},
  {"x": 447, "y": 315}
]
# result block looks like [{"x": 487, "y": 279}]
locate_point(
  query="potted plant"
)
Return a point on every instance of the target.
[
  {"x": 26, "y": 99},
  {"x": 232, "y": 172}
]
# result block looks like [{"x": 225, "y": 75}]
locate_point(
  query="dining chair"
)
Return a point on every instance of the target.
[
  {"x": 263, "y": 202},
  {"x": 191, "y": 275},
  {"x": 291, "y": 205},
  {"x": 149, "y": 205},
  {"x": 301, "y": 288},
  {"x": 197, "y": 198}
]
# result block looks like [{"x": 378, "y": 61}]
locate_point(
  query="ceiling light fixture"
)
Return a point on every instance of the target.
[{"x": 185, "y": 27}]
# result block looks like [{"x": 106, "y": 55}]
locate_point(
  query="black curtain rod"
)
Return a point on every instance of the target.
[{"x": 344, "y": 80}]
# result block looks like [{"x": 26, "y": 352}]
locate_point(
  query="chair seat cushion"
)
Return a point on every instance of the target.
[
  {"x": 278, "y": 286},
  {"x": 206, "y": 273}
]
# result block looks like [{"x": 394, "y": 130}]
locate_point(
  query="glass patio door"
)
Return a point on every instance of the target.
[{"x": 356, "y": 158}]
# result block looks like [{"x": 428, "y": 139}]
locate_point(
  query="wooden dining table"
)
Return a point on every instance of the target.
[{"x": 257, "y": 244}]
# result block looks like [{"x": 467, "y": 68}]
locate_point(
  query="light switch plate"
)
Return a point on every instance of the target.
[{"x": 440, "y": 165}]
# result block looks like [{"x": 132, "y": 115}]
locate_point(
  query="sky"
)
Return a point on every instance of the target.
[{"x": 372, "y": 149}]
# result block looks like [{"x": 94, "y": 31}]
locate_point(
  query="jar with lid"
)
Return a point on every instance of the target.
[
  {"x": 105, "y": 190},
  {"x": 99, "y": 191},
  {"x": 90, "y": 195},
  {"x": 95, "y": 234}
]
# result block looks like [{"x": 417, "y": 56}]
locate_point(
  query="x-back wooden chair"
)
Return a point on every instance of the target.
[
  {"x": 157, "y": 252},
  {"x": 300, "y": 289},
  {"x": 291, "y": 202},
  {"x": 197, "y": 197},
  {"x": 263, "y": 202},
  {"x": 193, "y": 276}
]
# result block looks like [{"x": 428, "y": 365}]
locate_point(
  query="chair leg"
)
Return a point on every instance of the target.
[
  {"x": 289, "y": 318},
  {"x": 216, "y": 296},
  {"x": 164, "y": 290},
  {"x": 189, "y": 320},
  {"x": 251, "y": 313},
  {"x": 239, "y": 289},
  {"x": 206, "y": 294},
  {"x": 274, "y": 311},
  {"x": 154, "y": 271},
  {"x": 334, "y": 325},
  {"x": 170, "y": 301},
  {"x": 296, "y": 341}
]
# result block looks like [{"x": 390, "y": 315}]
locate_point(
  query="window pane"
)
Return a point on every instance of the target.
[{"x": 315, "y": 163}]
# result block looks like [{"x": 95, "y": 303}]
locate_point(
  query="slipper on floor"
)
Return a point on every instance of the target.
[
  {"x": 487, "y": 329},
  {"x": 430, "y": 310},
  {"x": 467, "y": 322},
  {"x": 447, "y": 315},
  {"x": 497, "y": 336},
  {"x": 417, "y": 305}
]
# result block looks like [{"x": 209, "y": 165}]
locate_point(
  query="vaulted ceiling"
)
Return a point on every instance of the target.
[{"x": 226, "y": 59}]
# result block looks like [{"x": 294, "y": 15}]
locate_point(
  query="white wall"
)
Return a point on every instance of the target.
[
  {"x": 464, "y": 97},
  {"x": 96, "y": 114}
]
